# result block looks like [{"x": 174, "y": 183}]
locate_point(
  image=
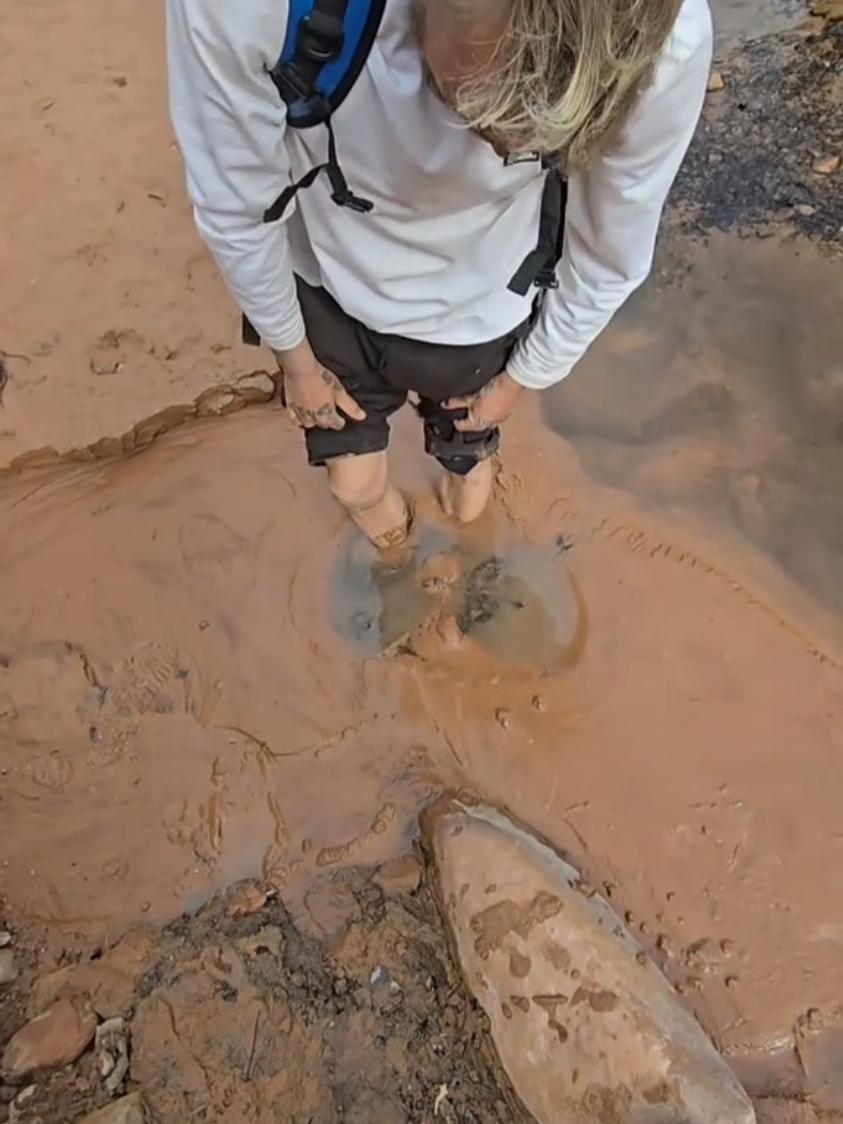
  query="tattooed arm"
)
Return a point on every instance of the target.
[{"x": 314, "y": 396}]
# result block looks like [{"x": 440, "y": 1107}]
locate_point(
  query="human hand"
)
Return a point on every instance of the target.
[
  {"x": 491, "y": 405},
  {"x": 316, "y": 399}
]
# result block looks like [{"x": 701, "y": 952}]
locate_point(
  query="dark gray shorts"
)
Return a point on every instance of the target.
[{"x": 379, "y": 371}]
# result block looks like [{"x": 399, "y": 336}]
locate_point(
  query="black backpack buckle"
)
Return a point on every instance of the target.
[
  {"x": 546, "y": 278},
  {"x": 352, "y": 201},
  {"x": 320, "y": 37}
]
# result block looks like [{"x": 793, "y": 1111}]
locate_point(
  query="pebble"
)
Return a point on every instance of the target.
[
  {"x": 128, "y": 1110},
  {"x": 8, "y": 968},
  {"x": 5, "y": 939},
  {"x": 401, "y": 875},
  {"x": 504, "y": 718},
  {"x": 827, "y": 165},
  {"x": 379, "y": 977},
  {"x": 715, "y": 82},
  {"x": 247, "y": 899},
  {"x": 50, "y": 1041}
]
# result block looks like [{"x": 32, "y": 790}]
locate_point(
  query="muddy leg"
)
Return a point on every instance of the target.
[
  {"x": 361, "y": 484},
  {"x": 465, "y": 497}
]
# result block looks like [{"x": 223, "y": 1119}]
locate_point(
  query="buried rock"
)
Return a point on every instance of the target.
[
  {"x": 50, "y": 1041},
  {"x": 128, "y": 1110},
  {"x": 586, "y": 1027}
]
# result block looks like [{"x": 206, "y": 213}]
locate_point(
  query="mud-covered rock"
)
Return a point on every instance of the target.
[
  {"x": 399, "y": 876},
  {"x": 586, "y": 1026},
  {"x": 108, "y": 989},
  {"x": 819, "y": 1043},
  {"x": 49, "y": 1041},
  {"x": 128, "y": 1110},
  {"x": 8, "y": 967}
]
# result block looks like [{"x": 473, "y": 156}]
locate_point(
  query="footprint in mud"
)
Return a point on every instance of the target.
[
  {"x": 219, "y": 560},
  {"x": 137, "y": 688},
  {"x": 117, "y": 349},
  {"x": 47, "y": 693},
  {"x": 518, "y": 603}
]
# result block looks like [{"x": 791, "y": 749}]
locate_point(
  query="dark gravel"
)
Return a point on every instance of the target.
[{"x": 751, "y": 163}]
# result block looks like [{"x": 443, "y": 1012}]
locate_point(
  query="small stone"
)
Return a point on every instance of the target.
[
  {"x": 8, "y": 967},
  {"x": 715, "y": 82},
  {"x": 109, "y": 989},
  {"x": 439, "y": 572},
  {"x": 128, "y": 1110},
  {"x": 572, "y": 1055},
  {"x": 246, "y": 899},
  {"x": 539, "y": 703},
  {"x": 727, "y": 947},
  {"x": 112, "y": 1046},
  {"x": 827, "y": 165},
  {"x": 805, "y": 209},
  {"x": 399, "y": 876},
  {"x": 5, "y": 939},
  {"x": 379, "y": 977},
  {"x": 731, "y": 981},
  {"x": 504, "y": 719},
  {"x": 24, "y": 1096},
  {"x": 50, "y": 1041}
]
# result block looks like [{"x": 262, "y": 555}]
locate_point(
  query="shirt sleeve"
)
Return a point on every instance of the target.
[
  {"x": 230, "y": 125},
  {"x": 615, "y": 207}
]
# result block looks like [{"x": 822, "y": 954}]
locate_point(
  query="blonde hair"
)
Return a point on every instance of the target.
[{"x": 565, "y": 73}]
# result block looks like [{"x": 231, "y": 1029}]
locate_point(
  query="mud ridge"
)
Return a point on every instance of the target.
[{"x": 250, "y": 388}]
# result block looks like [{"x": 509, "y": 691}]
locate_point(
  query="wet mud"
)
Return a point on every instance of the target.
[
  {"x": 718, "y": 399},
  {"x": 180, "y": 710},
  {"x": 205, "y": 677}
]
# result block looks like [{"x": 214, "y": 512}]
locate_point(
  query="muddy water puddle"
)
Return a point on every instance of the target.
[
  {"x": 203, "y": 678},
  {"x": 516, "y": 603}
]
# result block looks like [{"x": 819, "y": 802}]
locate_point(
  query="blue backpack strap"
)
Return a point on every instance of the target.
[{"x": 325, "y": 48}]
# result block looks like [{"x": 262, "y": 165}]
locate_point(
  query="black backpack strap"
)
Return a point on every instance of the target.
[
  {"x": 539, "y": 266},
  {"x": 326, "y": 47},
  {"x": 341, "y": 193}
]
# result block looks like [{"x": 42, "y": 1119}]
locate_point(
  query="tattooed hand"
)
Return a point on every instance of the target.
[
  {"x": 316, "y": 399},
  {"x": 491, "y": 405}
]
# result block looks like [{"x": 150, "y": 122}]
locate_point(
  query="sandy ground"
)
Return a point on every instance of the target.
[{"x": 203, "y": 678}]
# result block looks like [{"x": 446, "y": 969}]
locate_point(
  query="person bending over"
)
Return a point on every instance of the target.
[{"x": 449, "y": 198}]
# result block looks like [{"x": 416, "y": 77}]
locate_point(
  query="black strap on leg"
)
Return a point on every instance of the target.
[{"x": 539, "y": 266}]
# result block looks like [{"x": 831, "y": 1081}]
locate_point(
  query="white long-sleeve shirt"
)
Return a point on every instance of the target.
[{"x": 451, "y": 222}]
